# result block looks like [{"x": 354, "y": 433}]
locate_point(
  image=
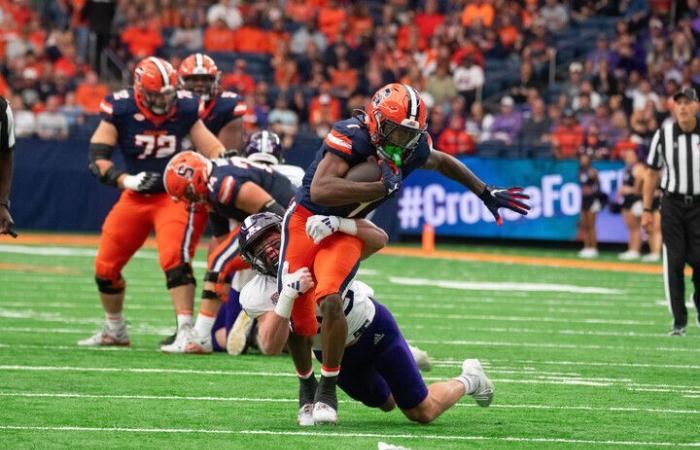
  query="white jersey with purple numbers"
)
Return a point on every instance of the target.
[
  {"x": 295, "y": 174},
  {"x": 260, "y": 296}
]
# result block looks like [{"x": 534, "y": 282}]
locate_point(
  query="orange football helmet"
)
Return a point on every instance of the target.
[
  {"x": 396, "y": 118},
  {"x": 186, "y": 177},
  {"x": 198, "y": 73},
  {"x": 155, "y": 83}
]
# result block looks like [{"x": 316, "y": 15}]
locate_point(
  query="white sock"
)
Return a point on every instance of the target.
[
  {"x": 183, "y": 320},
  {"x": 204, "y": 324},
  {"x": 114, "y": 321},
  {"x": 469, "y": 385}
]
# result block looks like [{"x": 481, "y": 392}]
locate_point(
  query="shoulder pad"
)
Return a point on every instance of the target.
[{"x": 118, "y": 102}]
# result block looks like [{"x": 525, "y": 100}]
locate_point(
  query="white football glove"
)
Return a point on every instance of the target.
[
  {"x": 319, "y": 227},
  {"x": 142, "y": 181},
  {"x": 296, "y": 283}
]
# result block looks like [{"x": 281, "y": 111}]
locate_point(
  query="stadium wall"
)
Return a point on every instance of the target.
[{"x": 53, "y": 191}]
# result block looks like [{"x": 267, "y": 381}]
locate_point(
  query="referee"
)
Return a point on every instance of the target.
[
  {"x": 674, "y": 156},
  {"x": 7, "y": 145}
]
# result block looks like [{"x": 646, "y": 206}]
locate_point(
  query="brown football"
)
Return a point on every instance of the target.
[{"x": 365, "y": 172}]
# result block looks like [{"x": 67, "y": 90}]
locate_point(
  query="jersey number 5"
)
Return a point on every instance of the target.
[{"x": 160, "y": 146}]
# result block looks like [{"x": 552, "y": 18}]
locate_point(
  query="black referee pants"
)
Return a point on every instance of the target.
[{"x": 680, "y": 226}]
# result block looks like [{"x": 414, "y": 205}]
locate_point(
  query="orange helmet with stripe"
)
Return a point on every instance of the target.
[
  {"x": 186, "y": 177},
  {"x": 198, "y": 73},
  {"x": 396, "y": 118},
  {"x": 155, "y": 83}
]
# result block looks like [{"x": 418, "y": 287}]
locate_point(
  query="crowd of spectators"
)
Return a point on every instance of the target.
[{"x": 328, "y": 56}]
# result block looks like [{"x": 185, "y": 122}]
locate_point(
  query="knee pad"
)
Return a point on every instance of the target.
[
  {"x": 108, "y": 286},
  {"x": 179, "y": 276}
]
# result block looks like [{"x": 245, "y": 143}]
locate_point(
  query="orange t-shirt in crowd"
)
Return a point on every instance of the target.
[
  {"x": 299, "y": 12},
  {"x": 218, "y": 40},
  {"x": 404, "y": 39},
  {"x": 249, "y": 39},
  {"x": 427, "y": 22},
  {"x": 317, "y": 111},
  {"x": 361, "y": 26},
  {"x": 342, "y": 78},
  {"x": 455, "y": 142},
  {"x": 243, "y": 84},
  {"x": 330, "y": 20},
  {"x": 508, "y": 36},
  {"x": 65, "y": 66},
  {"x": 89, "y": 97},
  {"x": 473, "y": 13},
  {"x": 569, "y": 140},
  {"x": 142, "y": 42},
  {"x": 273, "y": 37}
]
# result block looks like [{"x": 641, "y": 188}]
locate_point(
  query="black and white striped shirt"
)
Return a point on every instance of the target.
[
  {"x": 677, "y": 154},
  {"x": 7, "y": 126}
]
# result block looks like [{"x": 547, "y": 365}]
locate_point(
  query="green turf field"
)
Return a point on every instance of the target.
[{"x": 572, "y": 369}]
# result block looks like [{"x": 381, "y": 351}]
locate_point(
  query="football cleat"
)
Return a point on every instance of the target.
[
  {"x": 677, "y": 331},
  {"x": 107, "y": 337},
  {"x": 199, "y": 345},
  {"x": 422, "y": 359},
  {"x": 179, "y": 345},
  {"x": 238, "y": 336},
  {"x": 305, "y": 418},
  {"x": 482, "y": 387},
  {"x": 324, "y": 414}
]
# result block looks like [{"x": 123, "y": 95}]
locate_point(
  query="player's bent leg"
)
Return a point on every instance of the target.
[
  {"x": 300, "y": 350},
  {"x": 441, "y": 397},
  {"x": 334, "y": 330}
]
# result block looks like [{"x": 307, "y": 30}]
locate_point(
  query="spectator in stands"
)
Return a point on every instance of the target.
[
  {"x": 479, "y": 123},
  {"x": 50, "y": 123},
  {"x": 537, "y": 127},
  {"x": 538, "y": 48},
  {"x": 441, "y": 85},
  {"x": 71, "y": 110},
  {"x": 284, "y": 121},
  {"x": 187, "y": 36},
  {"x": 25, "y": 120},
  {"x": 572, "y": 87},
  {"x": 251, "y": 38},
  {"x": 641, "y": 96},
  {"x": 507, "y": 124},
  {"x": 478, "y": 14},
  {"x": 428, "y": 19},
  {"x": 238, "y": 80},
  {"x": 227, "y": 11},
  {"x": 555, "y": 15},
  {"x": 594, "y": 144},
  {"x": 98, "y": 15},
  {"x": 90, "y": 93},
  {"x": 604, "y": 81},
  {"x": 527, "y": 81},
  {"x": 437, "y": 122},
  {"x": 303, "y": 35},
  {"x": 343, "y": 79},
  {"x": 218, "y": 37},
  {"x": 583, "y": 110},
  {"x": 468, "y": 79},
  {"x": 330, "y": 18},
  {"x": 455, "y": 140},
  {"x": 567, "y": 137},
  {"x": 601, "y": 54},
  {"x": 141, "y": 39}
]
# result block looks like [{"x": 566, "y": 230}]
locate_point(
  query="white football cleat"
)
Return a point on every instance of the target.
[
  {"x": 182, "y": 338},
  {"x": 199, "y": 345},
  {"x": 305, "y": 418},
  {"x": 481, "y": 385},
  {"x": 421, "y": 358},
  {"x": 324, "y": 414},
  {"x": 107, "y": 337},
  {"x": 238, "y": 336},
  {"x": 629, "y": 255}
]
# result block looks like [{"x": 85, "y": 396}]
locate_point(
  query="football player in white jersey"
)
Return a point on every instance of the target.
[{"x": 378, "y": 367}]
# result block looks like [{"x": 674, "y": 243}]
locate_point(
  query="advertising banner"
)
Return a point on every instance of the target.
[{"x": 555, "y": 196}]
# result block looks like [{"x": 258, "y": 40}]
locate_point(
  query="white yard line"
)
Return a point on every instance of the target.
[
  {"x": 549, "y": 345},
  {"x": 541, "y": 440},
  {"x": 586, "y": 364},
  {"x": 60, "y": 395},
  {"x": 528, "y": 319}
]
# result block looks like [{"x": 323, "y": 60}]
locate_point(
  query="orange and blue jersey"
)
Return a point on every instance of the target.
[
  {"x": 349, "y": 139},
  {"x": 224, "y": 108},
  {"x": 227, "y": 177},
  {"x": 148, "y": 141}
]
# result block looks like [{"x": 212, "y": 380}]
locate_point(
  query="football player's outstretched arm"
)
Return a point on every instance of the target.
[
  {"x": 329, "y": 188},
  {"x": 494, "y": 198},
  {"x": 102, "y": 145},
  {"x": 273, "y": 331},
  {"x": 253, "y": 199},
  {"x": 205, "y": 142},
  {"x": 231, "y": 136}
]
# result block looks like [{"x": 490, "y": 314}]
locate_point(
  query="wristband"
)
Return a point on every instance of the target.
[
  {"x": 284, "y": 305},
  {"x": 347, "y": 226},
  {"x": 648, "y": 210}
]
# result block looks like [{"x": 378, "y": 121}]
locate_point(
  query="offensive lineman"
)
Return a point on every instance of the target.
[{"x": 148, "y": 122}]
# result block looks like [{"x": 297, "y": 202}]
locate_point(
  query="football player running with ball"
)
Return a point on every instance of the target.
[
  {"x": 393, "y": 129},
  {"x": 378, "y": 367},
  {"x": 148, "y": 123}
]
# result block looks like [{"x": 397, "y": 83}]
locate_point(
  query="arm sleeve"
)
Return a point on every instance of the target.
[{"x": 655, "y": 157}]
